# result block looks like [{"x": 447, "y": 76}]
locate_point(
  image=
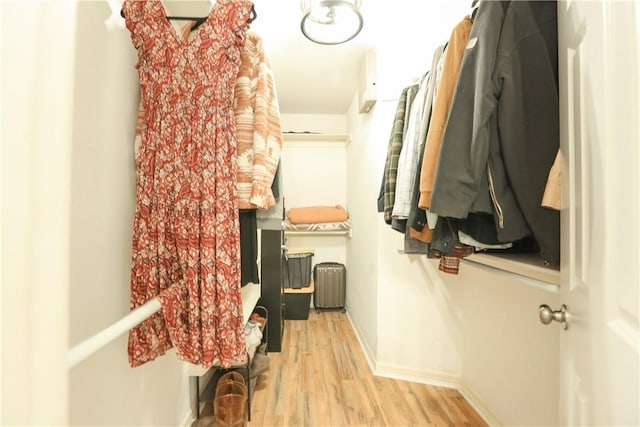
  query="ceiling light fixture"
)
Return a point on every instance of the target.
[{"x": 331, "y": 21}]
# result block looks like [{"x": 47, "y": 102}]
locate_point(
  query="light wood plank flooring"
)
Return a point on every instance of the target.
[{"x": 321, "y": 378}]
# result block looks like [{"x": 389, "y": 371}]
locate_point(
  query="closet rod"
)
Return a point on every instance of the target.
[
  {"x": 86, "y": 348},
  {"x": 200, "y": 20}
]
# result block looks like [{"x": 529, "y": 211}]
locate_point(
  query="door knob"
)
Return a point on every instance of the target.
[{"x": 547, "y": 315}]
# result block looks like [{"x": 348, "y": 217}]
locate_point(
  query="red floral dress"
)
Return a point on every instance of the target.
[{"x": 186, "y": 236}]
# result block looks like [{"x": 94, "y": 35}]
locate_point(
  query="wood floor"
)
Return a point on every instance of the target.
[{"x": 321, "y": 378}]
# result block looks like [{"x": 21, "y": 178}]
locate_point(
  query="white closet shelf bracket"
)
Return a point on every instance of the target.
[{"x": 86, "y": 348}]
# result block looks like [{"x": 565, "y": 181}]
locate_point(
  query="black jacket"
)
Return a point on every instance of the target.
[
  {"x": 502, "y": 134},
  {"x": 525, "y": 139}
]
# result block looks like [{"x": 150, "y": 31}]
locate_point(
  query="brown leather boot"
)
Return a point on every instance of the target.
[
  {"x": 231, "y": 376},
  {"x": 230, "y": 411},
  {"x": 230, "y": 403}
]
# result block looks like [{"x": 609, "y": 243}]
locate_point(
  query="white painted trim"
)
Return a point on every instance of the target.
[
  {"x": 400, "y": 373},
  {"x": 366, "y": 350},
  {"x": 480, "y": 407},
  {"x": 188, "y": 420},
  {"x": 437, "y": 379}
]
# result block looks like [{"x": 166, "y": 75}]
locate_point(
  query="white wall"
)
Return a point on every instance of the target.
[
  {"x": 363, "y": 247},
  {"x": 405, "y": 318},
  {"x": 104, "y": 390},
  {"x": 68, "y": 104},
  {"x": 510, "y": 359},
  {"x": 412, "y": 314},
  {"x": 478, "y": 331},
  {"x": 37, "y": 77},
  {"x": 314, "y": 173},
  {"x": 70, "y": 223}
]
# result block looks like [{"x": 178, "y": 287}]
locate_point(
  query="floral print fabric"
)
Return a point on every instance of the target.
[{"x": 186, "y": 231}]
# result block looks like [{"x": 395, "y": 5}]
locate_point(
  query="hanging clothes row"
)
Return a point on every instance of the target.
[
  {"x": 208, "y": 142},
  {"x": 492, "y": 135},
  {"x": 259, "y": 136}
]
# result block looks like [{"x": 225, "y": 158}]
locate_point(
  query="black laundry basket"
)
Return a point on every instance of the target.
[{"x": 297, "y": 272}]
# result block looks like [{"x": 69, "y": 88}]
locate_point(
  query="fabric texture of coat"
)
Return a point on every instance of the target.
[
  {"x": 525, "y": 133},
  {"x": 442, "y": 104},
  {"x": 258, "y": 127},
  {"x": 386, "y": 198},
  {"x": 460, "y": 184},
  {"x": 417, "y": 220}
]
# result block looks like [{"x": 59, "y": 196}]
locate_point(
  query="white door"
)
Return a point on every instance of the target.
[{"x": 600, "y": 121}]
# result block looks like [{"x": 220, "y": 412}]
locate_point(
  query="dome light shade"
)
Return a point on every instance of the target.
[{"x": 331, "y": 21}]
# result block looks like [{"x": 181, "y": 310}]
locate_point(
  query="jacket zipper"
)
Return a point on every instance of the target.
[{"x": 494, "y": 199}]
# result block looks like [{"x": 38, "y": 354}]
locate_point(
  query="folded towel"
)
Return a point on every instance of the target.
[{"x": 316, "y": 214}]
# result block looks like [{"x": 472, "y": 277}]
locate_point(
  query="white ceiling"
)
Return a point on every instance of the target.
[
  {"x": 310, "y": 78},
  {"x": 313, "y": 78},
  {"x": 320, "y": 79}
]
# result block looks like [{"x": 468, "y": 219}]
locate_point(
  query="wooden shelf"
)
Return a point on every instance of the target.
[
  {"x": 308, "y": 290},
  {"x": 317, "y": 137},
  {"x": 299, "y": 251},
  {"x": 250, "y": 296}
]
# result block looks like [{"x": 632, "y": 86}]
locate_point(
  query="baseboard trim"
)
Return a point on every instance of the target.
[
  {"x": 438, "y": 379},
  {"x": 364, "y": 346},
  {"x": 399, "y": 372},
  {"x": 188, "y": 419},
  {"x": 487, "y": 415}
]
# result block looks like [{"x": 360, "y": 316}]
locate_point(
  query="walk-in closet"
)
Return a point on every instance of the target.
[{"x": 480, "y": 158}]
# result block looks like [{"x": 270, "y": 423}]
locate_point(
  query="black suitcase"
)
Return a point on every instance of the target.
[{"x": 330, "y": 282}]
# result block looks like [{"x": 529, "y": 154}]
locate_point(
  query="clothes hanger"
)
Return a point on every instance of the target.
[
  {"x": 474, "y": 8},
  {"x": 200, "y": 20}
]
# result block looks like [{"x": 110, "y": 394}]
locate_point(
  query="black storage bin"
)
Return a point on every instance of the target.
[
  {"x": 297, "y": 306},
  {"x": 297, "y": 272}
]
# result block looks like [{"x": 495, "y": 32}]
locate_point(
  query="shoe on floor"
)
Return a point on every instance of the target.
[{"x": 259, "y": 364}]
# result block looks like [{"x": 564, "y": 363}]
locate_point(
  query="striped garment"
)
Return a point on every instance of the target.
[{"x": 258, "y": 127}]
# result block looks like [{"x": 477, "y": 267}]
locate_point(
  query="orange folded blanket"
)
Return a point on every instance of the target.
[{"x": 316, "y": 214}]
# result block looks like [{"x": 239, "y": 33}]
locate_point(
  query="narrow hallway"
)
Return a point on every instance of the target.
[{"x": 321, "y": 378}]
